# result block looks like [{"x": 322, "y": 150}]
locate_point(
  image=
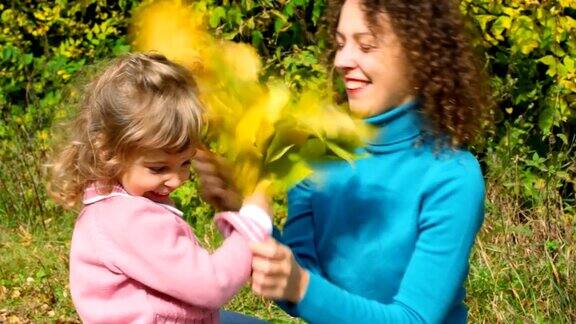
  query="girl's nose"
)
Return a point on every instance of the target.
[{"x": 173, "y": 181}]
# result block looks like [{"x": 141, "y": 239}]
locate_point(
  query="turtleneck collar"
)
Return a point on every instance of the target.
[{"x": 398, "y": 126}]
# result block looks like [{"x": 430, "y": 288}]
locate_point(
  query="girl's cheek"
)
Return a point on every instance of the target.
[{"x": 185, "y": 175}]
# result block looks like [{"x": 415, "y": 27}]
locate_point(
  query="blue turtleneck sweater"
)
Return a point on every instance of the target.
[{"x": 387, "y": 239}]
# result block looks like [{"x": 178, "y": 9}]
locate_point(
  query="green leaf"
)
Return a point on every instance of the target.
[
  {"x": 525, "y": 35},
  {"x": 317, "y": 12},
  {"x": 28, "y": 58},
  {"x": 288, "y": 172},
  {"x": 569, "y": 63},
  {"x": 552, "y": 64},
  {"x": 216, "y": 16},
  {"x": 120, "y": 47},
  {"x": 502, "y": 24},
  {"x": 483, "y": 20},
  {"x": 313, "y": 149},
  {"x": 248, "y": 4},
  {"x": 7, "y": 52},
  {"x": 278, "y": 25},
  {"x": 340, "y": 152},
  {"x": 289, "y": 9},
  {"x": 546, "y": 120},
  {"x": 277, "y": 155},
  {"x": 563, "y": 137},
  {"x": 257, "y": 38},
  {"x": 7, "y": 15},
  {"x": 512, "y": 12},
  {"x": 235, "y": 15}
]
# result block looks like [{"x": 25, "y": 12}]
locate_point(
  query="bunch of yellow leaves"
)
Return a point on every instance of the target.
[{"x": 270, "y": 135}]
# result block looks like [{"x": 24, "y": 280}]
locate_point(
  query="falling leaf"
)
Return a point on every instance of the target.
[
  {"x": 243, "y": 60},
  {"x": 173, "y": 29}
]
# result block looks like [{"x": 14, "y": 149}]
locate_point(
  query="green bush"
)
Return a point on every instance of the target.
[
  {"x": 531, "y": 50},
  {"x": 43, "y": 44}
]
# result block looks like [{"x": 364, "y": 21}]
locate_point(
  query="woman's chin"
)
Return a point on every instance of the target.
[{"x": 359, "y": 110}]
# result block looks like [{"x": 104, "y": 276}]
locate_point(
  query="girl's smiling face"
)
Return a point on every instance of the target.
[
  {"x": 373, "y": 66},
  {"x": 155, "y": 174}
]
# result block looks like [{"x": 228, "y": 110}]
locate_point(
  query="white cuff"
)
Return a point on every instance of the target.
[{"x": 258, "y": 215}]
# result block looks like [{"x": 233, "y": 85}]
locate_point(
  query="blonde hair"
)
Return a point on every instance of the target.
[{"x": 139, "y": 102}]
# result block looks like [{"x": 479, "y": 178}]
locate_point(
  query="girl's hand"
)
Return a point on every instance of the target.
[
  {"x": 216, "y": 186},
  {"x": 275, "y": 272},
  {"x": 261, "y": 200}
]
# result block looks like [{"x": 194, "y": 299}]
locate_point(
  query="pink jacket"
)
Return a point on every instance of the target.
[{"x": 136, "y": 261}]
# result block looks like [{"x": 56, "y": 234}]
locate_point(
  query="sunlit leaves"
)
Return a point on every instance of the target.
[
  {"x": 533, "y": 47},
  {"x": 171, "y": 28}
]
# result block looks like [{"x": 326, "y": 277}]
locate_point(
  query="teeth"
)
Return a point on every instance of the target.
[{"x": 353, "y": 85}]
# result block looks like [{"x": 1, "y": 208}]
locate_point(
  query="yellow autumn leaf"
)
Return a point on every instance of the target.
[
  {"x": 256, "y": 127},
  {"x": 173, "y": 29},
  {"x": 247, "y": 173},
  {"x": 242, "y": 60}
]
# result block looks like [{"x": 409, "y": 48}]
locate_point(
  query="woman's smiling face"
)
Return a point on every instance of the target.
[{"x": 373, "y": 66}]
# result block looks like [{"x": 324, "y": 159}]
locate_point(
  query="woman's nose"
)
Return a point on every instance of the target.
[{"x": 344, "y": 58}]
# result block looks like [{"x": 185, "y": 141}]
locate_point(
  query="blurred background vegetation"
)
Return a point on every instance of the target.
[{"x": 523, "y": 268}]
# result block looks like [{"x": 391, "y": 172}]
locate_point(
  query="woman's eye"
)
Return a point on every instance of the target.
[
  {"x": 186, "y": 164},
  {"x": 366, "y": 47},
  {"x": 339, "y": 46}
]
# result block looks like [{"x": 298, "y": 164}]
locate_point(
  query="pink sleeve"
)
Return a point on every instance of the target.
[
  {"x": 155, "y": 247},
  {"x": 251, "y": 221}
]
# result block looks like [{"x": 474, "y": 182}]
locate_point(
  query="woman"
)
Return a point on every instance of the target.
[{"x": 388, "y": 239}]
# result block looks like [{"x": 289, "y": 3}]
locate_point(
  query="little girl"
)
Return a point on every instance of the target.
[{"x": 133, "y": 258}]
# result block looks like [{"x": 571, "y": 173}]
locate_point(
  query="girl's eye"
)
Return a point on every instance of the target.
[
  {"x": 186, "y": 164},
  {"x": 159, "y": 169},
  {"x": 339, "y": 46}
]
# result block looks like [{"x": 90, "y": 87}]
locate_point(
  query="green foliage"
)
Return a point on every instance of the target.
[
  {"x": 523, "y": 266},
  {"x": 42, "y": 46},
  {"x": 531, "y": 50},
  {"x": 288, "y": 34}
]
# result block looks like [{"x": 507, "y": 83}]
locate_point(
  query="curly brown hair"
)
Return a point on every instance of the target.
[
  {"x": 140, "y": 101},
  {"x": 446, "y": 73}
]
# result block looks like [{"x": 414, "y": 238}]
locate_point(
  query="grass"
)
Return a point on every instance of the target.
[
  {"x": 523, "y": 267},
  {"x": 522, "y": 270},
  {"x": 33, "y": 268}
]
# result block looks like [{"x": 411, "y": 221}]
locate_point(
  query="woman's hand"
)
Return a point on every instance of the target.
[
  {"x": 275, "y": 272},
  {"x": 216, "y": 186}
]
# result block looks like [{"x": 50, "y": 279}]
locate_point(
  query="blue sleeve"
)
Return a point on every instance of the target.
[
  {"x": 451, "y": 212},
  {"x": 298, "y": 233}
]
